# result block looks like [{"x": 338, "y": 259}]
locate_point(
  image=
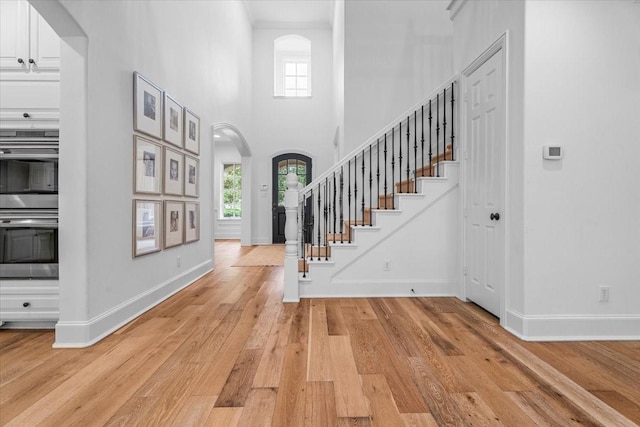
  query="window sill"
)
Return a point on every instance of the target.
[{"x": 291, "y": 97}]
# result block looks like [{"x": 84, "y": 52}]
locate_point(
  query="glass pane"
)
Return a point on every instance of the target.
[
  {"x": 290, "y": 92},
  {"x": 290, "y": 68},
  {"x": 302, "y": 179},
  {"x": 280, "y": 198},
  {"x": 301, "y": 92},
  {"x": 293, "y": 167},
  {"x": 282, "y": 182},
  {"x": 302, "y": 82},
  {"x": 302, "y": 69},
  {"x": 282, "y": 167},
  {"x": 302, "y": 167},
  {"x": 290, "y": 83}
]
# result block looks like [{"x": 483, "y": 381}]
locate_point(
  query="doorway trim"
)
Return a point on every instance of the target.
[
  {"x": 502, "y": 43},
  {"x": 238, "y": 139},
  {"x": 275, "y": 159}
]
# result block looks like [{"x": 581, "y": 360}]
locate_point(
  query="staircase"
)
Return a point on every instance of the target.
[{"x": 384, "y": 221}]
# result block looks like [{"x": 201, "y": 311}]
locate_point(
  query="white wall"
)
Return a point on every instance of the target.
[
  {"x": 338, "y": 75},
  {"x": 396, "y": 53},
  {"x": 478, "y": 25},
  {"x": 206, "y": 66},
  {"x": 224, "y": 152},
  {"x": 288, "y": 125},
  {"x": 582, "y": 214}
]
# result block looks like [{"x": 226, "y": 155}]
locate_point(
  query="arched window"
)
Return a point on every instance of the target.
[{"x": 292, "y": 62}]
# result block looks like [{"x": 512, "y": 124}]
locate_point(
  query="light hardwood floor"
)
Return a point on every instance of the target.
[{"x": 226, "y": 351}]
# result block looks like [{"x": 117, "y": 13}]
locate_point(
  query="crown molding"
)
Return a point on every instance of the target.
[{"x": 273, "y": 25}]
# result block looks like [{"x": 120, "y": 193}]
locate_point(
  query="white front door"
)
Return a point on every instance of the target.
[{"x": 485, "y": 175}]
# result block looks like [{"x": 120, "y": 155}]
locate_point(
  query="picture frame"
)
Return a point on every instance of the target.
[
  {"x": 147, "y": 227},
  {"x": 191, "y": 222},
  {"x": 147, "y": 106},
  {"x": 147, "y": 166},
  {"x": 191, "y": 176},
  {"x": 173, "y": 223},
  {"x": 173, "y": 172},
  {"x": 173, "y": 121},
  {"x": 191, "y": 132}
]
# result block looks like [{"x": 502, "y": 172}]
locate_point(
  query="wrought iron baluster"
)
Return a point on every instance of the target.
[
  {"x": 312, "y": 225},
  {"x": 408, "y": 155},
  {"x": 400, "y": 157},
  {"x": 393, "y": 168},
  {"x": 385, "y": 171},
  {"x": 334, "y": 206},
  {"x": 370, "y": 186},
  {"x": 438, "y": 134},
  {"x": 349, "y": 200},
  {"x": 430, "y": 149},
  {"x": 355, "y": 191},
  {"x": 326, "y": 218},
  {"x": 341, "y": 203},
  {"x": 444, "y": 124},
  {"x": 422, "y": 138},
  {"x": 362, "y": 204},
  {"x": 415, "y": 151},
  {"x": 319, "y": 221},
  {"x": 452, "y": 115},
  {"x": 377, "y": 172}
]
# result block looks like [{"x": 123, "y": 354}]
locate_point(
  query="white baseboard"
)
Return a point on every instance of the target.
[
  {"x": 86, "y": 333},
  {"x": 369, "y": 289},
  {"x": 573, "y": 328}
]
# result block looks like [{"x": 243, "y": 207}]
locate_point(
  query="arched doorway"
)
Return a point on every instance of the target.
[
  {"x": 282, "y": 165},
  {"x": 225, "y": 132}
]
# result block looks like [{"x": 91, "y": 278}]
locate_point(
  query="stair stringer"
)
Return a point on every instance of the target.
[{"x": 420, "y": 239}]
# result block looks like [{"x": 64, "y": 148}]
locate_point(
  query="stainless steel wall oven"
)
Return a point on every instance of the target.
[{"x": 29, "y": 204}]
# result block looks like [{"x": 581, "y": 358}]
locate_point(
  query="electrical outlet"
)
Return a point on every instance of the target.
[
  {"x": 386, "y": 265},
  {"x": 178, "y": 262},
  {"x": 604, "y": 294}
]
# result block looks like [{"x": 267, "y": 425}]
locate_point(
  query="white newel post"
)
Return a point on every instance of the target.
[{"x": 291, "y": 292}]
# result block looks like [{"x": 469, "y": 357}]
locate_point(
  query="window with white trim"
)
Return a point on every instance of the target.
[
  {"x": 231, "y": 191},
  {"x": 292, "y": 66}
]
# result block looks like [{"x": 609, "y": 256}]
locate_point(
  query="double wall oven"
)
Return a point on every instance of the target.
[{"x": 29, "y": 204}]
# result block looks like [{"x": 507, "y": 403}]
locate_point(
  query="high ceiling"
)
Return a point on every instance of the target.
[{"x": 308, "y": 12}]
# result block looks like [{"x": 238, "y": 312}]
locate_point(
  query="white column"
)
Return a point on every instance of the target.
[{"x": 291, "y": 291}]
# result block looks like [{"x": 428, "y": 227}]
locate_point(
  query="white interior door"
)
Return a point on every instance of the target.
[{"x": 485, "y": 175}]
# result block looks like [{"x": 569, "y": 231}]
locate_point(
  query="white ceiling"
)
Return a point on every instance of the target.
[{"x": 273, "y": 12}]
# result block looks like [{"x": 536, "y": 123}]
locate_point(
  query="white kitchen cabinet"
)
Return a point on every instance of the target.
[{"x": 27, "y": 43}]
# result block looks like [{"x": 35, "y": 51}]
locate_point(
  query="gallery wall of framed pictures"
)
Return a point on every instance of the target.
[{"x": 166, "y": 170}]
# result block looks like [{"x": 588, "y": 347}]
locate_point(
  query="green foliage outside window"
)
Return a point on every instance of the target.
[{"x": 232, "y": 191}]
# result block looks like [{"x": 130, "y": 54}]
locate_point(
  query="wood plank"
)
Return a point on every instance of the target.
[
  {"x": 259, "y": 407},
  {"x": 350, "y": 398},
  {"x": 195, "y": 411},
  {"x": 419, "y": 420},
  {"x": 224, "y": 417},
  {"x": 474, "y": 410},
  {"x": 236, "y": 389},
  {"x": 335, "y": 320},
  {"x": 441, "y": 406},
  {"x": 319, "y": 363},
  {"x": 299, "y": 332},
  {"x": 384, "y": 411},
  {"x": 354, "y": 422},
  {"x": 290, "y": 403},
  {"x": 270, "y": 367},
  {"x": 320, "y": 404}
]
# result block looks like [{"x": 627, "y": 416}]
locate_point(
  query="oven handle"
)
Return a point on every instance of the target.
[
  {"x": 24, "y": 224},
  {"x": 28, "y": 156}
]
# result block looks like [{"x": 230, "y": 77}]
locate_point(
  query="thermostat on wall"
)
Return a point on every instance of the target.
[{"x": 552, "y": 152}]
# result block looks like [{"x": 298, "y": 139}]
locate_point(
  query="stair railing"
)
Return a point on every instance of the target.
[{"x": 369, "y": 177}]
